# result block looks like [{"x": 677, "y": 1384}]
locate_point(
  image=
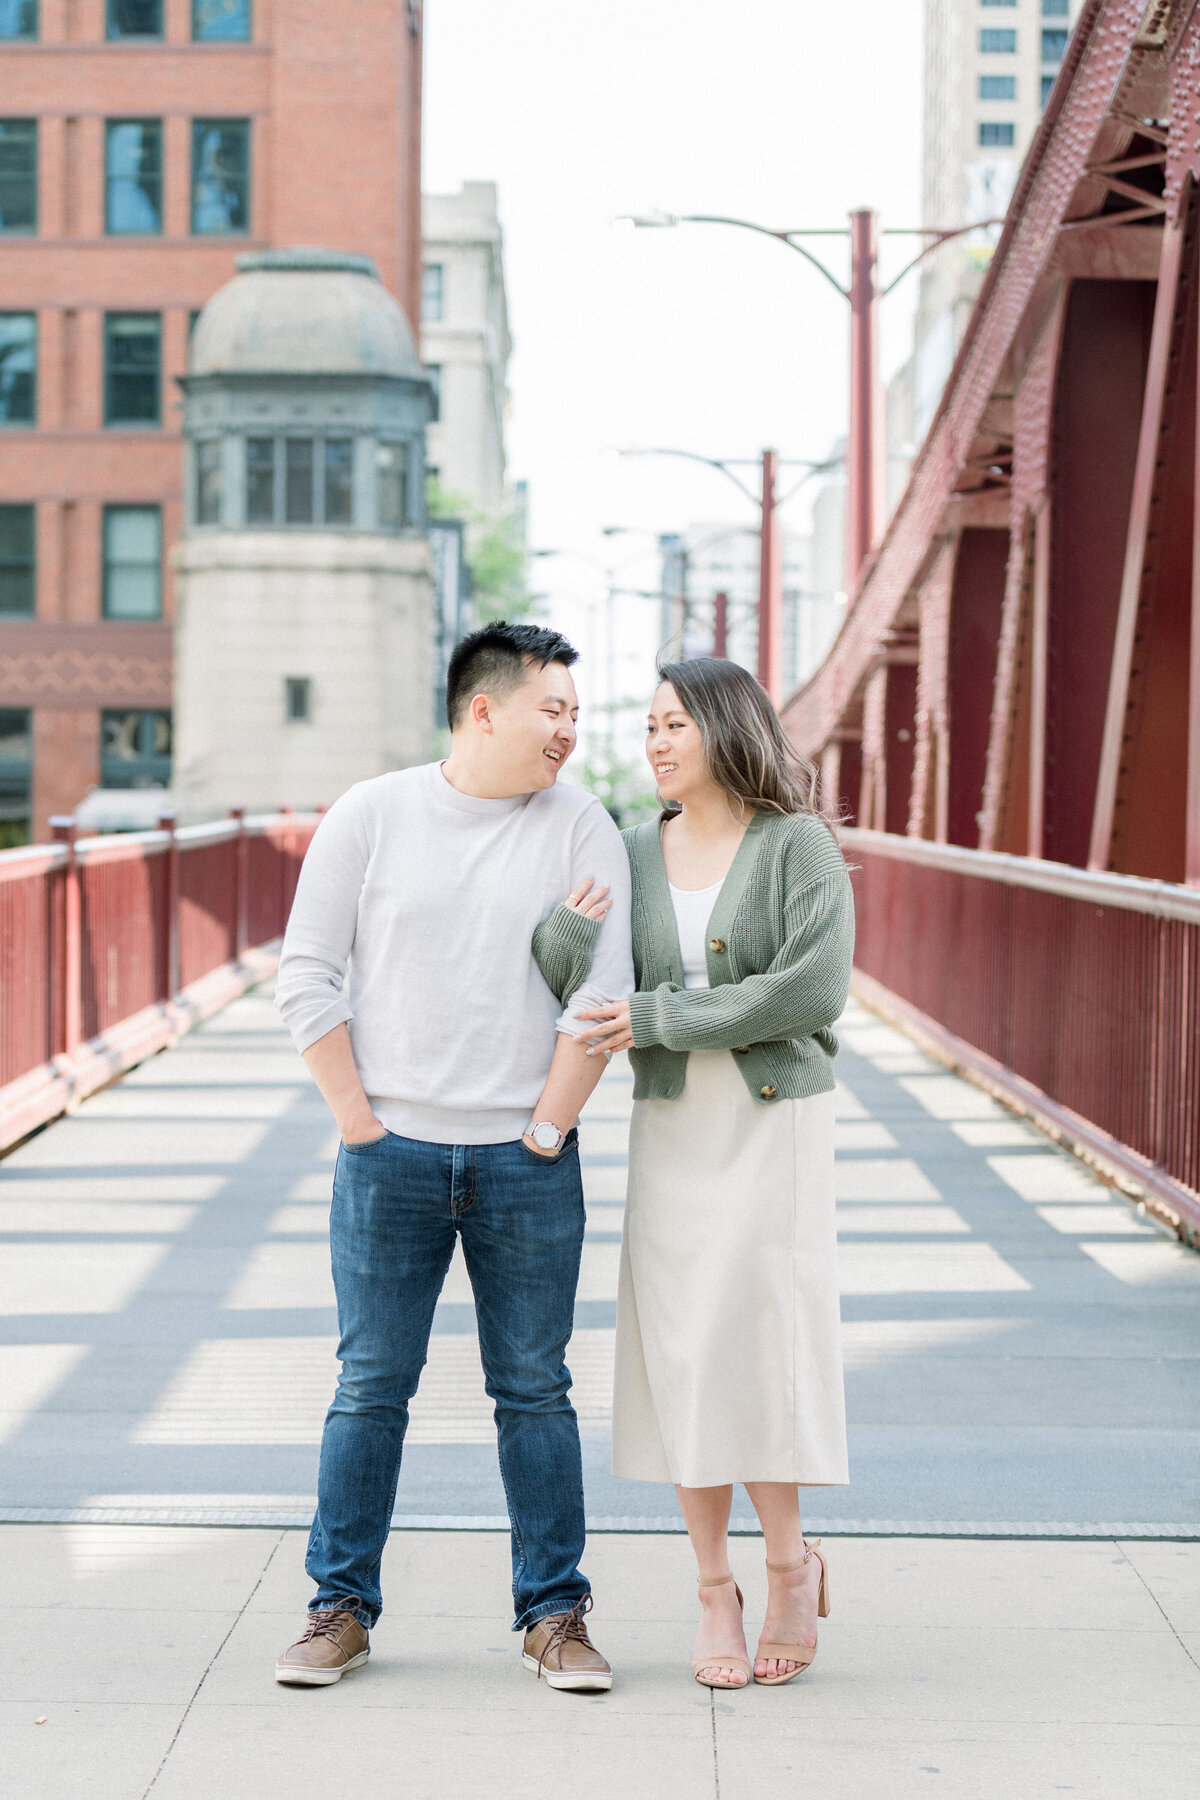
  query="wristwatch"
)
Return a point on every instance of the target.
[{"x": 545, "y": 1135}]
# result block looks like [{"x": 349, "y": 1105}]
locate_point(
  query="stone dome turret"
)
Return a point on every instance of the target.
[{"x": 303, "y": 312}]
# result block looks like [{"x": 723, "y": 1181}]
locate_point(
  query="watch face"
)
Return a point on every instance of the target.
[{"x": 546, "y": 1137}]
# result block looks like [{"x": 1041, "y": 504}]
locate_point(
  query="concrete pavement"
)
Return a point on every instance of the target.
[{"x": 1016, "y": 1604}]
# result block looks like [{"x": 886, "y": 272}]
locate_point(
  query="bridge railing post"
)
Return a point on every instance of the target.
[
  {"x": 168, "y": 924},
  {"x": 241, "y": 884},
  {"x": 69, "y": 949}
]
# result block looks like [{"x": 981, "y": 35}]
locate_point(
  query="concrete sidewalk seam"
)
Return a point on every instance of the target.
[
  {"x": 1122, "y": 1552},
  {"x": 208, "y": 1667}
]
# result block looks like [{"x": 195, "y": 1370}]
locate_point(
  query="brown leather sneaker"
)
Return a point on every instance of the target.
[
  {"x": 559, "y": 1648},
  {"x": 333, "y": 1641}
]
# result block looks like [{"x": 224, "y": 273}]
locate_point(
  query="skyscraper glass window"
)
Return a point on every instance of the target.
[
  {"x": 132, "y": 363},
  {"x": 432, "y": 293},
  {"x": 135, "y": 18},
  {"x": 18, "y": 368},
  {"x": 18, "y": 175},
  {"x": 1054, "y": 44},
  {"x": 18, "y": 19},
  {"x": 1055, "y": 9},
  {"x": 997, "y": 87},
  {"x": 997, "y": 43},
  {"x": 132, "y": 562},
  {"x": 17, "y": 540},
  {"x": 220, "y": 176},
  {"x": 133, "y": 176},
  {"x": 221, "y": 21},
  {"x": 994, "y": 134}
]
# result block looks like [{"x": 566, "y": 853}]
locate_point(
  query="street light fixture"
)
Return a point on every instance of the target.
[
  {"x": 865, "y": 495},
  {"x": 770, "y": 554}
]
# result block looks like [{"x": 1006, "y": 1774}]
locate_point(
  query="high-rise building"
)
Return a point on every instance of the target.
[
  {"x": 143, "y": 145},
  {"x": 465, "y": 342},
  {"x": 989, "y": 68}
]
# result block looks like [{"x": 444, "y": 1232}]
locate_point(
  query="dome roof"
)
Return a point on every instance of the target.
[{"x": 303, "y": 312}]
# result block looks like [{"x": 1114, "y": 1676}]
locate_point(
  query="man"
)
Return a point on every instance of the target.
[{"x": 455, "y": 1080}]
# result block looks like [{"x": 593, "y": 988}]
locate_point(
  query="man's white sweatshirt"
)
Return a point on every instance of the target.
[{"x": 430, "y": 899}]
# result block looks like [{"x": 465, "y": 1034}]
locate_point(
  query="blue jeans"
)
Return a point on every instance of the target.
[{"x": 398, "y": 1205}]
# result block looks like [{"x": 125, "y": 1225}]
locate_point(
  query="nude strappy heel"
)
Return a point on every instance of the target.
[
  {"x": 800, "y": 1654},
  {"x": 720, "y": 1660}
]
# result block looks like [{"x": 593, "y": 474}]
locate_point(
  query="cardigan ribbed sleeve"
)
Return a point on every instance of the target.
[
  {"x": 562, "y": 949},
  {"x": 802, "y": 991}
]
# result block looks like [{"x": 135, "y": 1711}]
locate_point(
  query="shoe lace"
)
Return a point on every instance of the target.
[
  {"x": 567, "y": 1625},
  {"x": 327, "y": 1621}
]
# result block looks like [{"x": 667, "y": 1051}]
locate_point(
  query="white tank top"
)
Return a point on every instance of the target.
[{"x": 693, "y": 910}]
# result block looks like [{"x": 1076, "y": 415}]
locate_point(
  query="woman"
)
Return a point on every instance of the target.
[{"x": 728, "y": 1360}]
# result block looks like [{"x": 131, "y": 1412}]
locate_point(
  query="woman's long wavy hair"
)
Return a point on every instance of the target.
[{"x": 745, "y": 747}]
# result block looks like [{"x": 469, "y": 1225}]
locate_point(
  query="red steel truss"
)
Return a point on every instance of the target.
[{"x": 1019, "y": 672}]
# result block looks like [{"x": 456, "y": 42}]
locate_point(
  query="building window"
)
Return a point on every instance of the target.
[
  {"x": 132, "y": 562},
  {"x": 132, "y": 355},
  {"x": 135, "y": 18},
  {"x": 135, "y": 749},
  {"x": 392, "y": 480},
  {"x": 260, "y": 481},
  {"x": 220, "y": 176},
  {"x": 18, "y": 19},
  {"x": 338, "y": 496},
  {"x": 297, "y": 699},
  {"x": 221, "y": 21},
  {"x": 1047, "y": 85},
  {"x": 208, "y": 482},
  {"x": 1054, "y": 44},
  {"x": 432, "y": 293},
  {"x": 998, "y": 43},
  {"x": 997, "y": 136},
  {"x": 997, "y": 87},
  {"x": 16, "y": 769},
  {"x": 17, "y": 540},
  {"x": 433, "y": 374},
  {"x": 18, "y": 174},
  {"x": 18, "y": 368},
  {"x": 298, "y": 481},
  {"x": 133, "y": 171},
  {"x": 1055, "y": 9}
]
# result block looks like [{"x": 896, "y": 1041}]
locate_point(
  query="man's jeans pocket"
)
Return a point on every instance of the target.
[
  {"x": 371, "y": 1144},
  {"x": 569, "y": 1143}
]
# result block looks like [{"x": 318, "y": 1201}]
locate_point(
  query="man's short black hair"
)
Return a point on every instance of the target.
[{"x": 496, "y": 659}]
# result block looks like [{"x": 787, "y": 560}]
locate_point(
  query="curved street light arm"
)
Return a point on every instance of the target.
[
  {"x": 941, "y": 237},
  {"x": 695, "y": 456},
  {"x": 781, "y": 237}
]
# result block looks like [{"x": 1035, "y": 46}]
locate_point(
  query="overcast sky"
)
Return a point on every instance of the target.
[{"x": 788, "y": 112}]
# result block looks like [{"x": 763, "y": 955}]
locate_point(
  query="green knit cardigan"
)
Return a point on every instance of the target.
[
  {"x": 781, "y": 942},
  {"x": 780, "y": 946}
]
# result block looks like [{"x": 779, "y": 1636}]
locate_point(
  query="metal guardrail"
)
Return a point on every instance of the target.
[
  {"x": 1074, "y": 996},
  {"x": 112, "y": 947}
]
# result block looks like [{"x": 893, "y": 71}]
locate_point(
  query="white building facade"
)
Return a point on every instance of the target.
[
  {"x": 465, "y": 343},
  {"x": 305, "y": 640}
]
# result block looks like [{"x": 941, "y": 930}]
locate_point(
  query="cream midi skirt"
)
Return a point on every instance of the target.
[{"x": 728, "y": 1354}]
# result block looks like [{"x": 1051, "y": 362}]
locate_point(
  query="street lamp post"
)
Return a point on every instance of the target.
[
  {"x": 865, "y": 461},
  {"x": 770, "y": 555}
]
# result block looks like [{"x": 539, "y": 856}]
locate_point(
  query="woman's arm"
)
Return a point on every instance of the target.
[
  {"x": 804, "y": 989},
  {"x": 565, "y": 941}
]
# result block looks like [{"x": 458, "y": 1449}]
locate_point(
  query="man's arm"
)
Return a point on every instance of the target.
[
  {"x": 573, "y": 1075},
  {"x": 330, "y": 1062}
]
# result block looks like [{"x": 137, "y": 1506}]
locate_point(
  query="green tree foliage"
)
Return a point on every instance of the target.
[{"x": 495, "y": 553}]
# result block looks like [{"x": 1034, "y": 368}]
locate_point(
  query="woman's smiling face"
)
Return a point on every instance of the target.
[{"x": 675, "y": 748}]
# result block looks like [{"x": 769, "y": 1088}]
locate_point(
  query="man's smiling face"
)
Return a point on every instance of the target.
[{"x": 534, "y": 727}]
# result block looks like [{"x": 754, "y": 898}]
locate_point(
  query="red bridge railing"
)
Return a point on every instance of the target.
[
  {"x": 112, "y": 947},
  {"x": 1074, "y": 995}
]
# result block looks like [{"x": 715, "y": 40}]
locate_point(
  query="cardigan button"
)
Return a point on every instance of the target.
[
  {"x": 717, "y": 944},
  {"x": 767, "y": 1093}
]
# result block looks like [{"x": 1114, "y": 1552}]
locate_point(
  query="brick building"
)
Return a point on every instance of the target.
[{"x": 143, "y": 145}]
